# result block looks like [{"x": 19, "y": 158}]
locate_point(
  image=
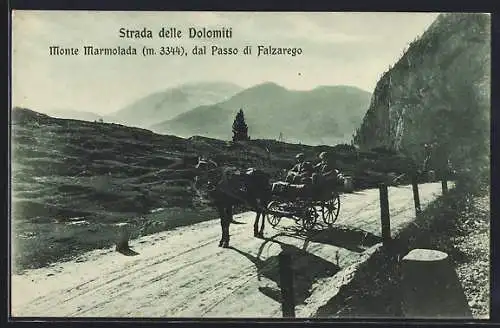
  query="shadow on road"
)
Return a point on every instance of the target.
[
  {"x": 307, "y": 269},
  {"x": 127, "y": 252},
  {"x": 352, "y": 239}
]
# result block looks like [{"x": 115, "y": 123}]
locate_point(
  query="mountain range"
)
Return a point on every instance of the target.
[
  {"x": 167, "y": 104},
  {"x": 324, "y": 115}
]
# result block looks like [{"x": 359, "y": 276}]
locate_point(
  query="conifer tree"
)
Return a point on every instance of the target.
[{"x": 240, "y": 128}]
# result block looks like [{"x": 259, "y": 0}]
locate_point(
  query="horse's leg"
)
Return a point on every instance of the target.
[
  {"x": 225, "y": 229},
  {"x": 253, "y": 204},
  {"x": 222, "y": 215},
  {"x": 256, "y": 224},
  {"x": 263, "y": 214},
  {"x": 260, "y": 214}
]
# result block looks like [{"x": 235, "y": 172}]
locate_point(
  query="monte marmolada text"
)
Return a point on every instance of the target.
[
  {"x": 177, "y": 33},
  {"x": 91, "y": 50}
]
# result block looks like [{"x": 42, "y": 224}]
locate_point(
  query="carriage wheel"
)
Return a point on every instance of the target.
[
  {"x": 273, "y": 218},
  {"x": 309, "y": 218},
  {"x": 330, "y": 209}
]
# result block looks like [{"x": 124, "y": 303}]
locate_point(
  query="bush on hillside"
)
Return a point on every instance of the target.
[{"x": 345, "y": 148}]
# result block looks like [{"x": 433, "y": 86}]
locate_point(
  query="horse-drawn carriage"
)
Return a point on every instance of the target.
[
  {"x": 306, "y": 204},
  {"x": 227, "y": 187}
]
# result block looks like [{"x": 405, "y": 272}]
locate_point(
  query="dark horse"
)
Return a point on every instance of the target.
[{"x": 226, "y": 188}]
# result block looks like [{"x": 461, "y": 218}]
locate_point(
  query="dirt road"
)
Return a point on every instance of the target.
[{"x": 182, "y": 272}]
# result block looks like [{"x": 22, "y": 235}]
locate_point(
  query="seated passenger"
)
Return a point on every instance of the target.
[
  {"x": 307, "y": 173},
  {"x": 324, "y": 171},
  {"x": 301, "y": 171}
]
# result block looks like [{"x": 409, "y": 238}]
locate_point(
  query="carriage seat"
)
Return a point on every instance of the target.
[{"x": 282, "y": 187}]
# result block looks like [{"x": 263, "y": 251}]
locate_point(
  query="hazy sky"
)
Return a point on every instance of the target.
[{"x": 338, "y": 48}]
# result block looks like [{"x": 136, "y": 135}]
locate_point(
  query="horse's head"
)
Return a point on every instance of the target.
[{"x": 207, "y": 174}]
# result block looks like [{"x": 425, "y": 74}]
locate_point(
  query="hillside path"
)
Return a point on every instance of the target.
[{"x": 182, "y": 272}]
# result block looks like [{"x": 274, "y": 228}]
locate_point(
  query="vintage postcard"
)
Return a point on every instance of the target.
[{"x": 250, "y": 165}]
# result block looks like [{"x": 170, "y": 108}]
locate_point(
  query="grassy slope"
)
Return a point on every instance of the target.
[{"x": 73, "y": 181}]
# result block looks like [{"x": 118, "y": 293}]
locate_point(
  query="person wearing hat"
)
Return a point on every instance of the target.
[
  {"x": 322, "y": 165},
  {"x": 323, "y": 170},
  {"x": 300, "y": 171}
]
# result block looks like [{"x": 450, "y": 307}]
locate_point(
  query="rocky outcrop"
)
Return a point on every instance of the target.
[{"x": 438, "y": 92}]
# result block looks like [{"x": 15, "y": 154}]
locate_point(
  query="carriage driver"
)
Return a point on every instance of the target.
[
  {"x": 301, "y": 171},
  {"x": 323, "y": 167},
  {"x": 323, "y": 170}
]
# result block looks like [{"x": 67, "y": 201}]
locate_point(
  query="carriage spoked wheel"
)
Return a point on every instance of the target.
[
  {"x": 330, "y": 209},
  {"x": 273, "y": 218},
  {"x": 309, "y": 218}
]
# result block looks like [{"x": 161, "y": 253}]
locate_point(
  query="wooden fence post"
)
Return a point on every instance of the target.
[
  {"x": 416, "y": 196},
  {"x": 286, "y": 284},
  {"x": 444, "y": 185},
  {"x": 123, "y": 238},
  {"x": 384, "y": 214}
]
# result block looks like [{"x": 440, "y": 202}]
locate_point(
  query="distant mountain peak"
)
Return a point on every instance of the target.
[
  {"x": 268, "y": 84},
  {"x": 263, "y": 89},
  {"x": 307, "y": 116},
  {"x": 171, "y": 102}
]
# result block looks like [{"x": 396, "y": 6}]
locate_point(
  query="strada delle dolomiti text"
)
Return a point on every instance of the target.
[{"x": 176, "y": 33}]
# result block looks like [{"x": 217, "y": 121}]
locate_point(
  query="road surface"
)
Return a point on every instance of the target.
[{"x": 182, "y": 272}]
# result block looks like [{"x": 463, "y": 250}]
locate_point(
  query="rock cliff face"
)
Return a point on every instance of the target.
[{"x": 438, "y": 92}]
